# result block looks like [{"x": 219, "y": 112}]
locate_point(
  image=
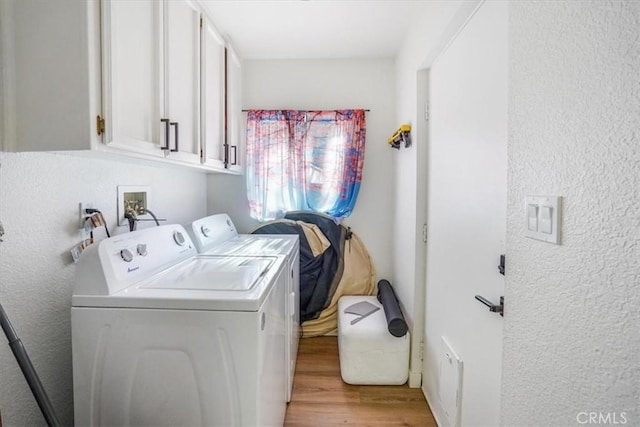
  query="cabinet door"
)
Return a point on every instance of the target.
[
  {"x": 182, "y": 68},
  {"x": 234, "y": 111},
  {"x": 212, "y": 102},
  {"x": 132, "y": 75}
]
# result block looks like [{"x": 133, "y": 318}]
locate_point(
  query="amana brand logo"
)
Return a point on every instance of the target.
[
  {"x": 130, "y": 269},
  {"x": 602, "y": 418}
]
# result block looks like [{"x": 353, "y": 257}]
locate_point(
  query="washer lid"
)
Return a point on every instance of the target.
[
  {"x": 203, "y": 282},
  {"x": 212, "y": 273}
]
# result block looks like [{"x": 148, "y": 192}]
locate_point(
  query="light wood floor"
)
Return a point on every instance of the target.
[{"x": 320, "y": 397}]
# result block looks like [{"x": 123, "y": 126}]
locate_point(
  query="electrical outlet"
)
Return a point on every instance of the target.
[
  {"x": 132, "y": 198},
  {"x": 82, "y": 215}
]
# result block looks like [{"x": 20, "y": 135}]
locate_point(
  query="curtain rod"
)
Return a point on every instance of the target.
[{"x": 311, "y": 111}]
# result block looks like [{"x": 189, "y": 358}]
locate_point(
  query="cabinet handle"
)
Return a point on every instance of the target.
[
  {"x": 175, "y": 134},
  {"x": 235, "y": 155},
  {"x": 166, "y": 134}
]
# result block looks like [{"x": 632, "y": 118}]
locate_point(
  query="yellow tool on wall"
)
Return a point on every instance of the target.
[{"x": 403, "y": 134}]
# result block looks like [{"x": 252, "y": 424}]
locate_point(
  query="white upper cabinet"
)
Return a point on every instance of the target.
[
  {"x": 50, "y": 75},
  {"x": 221, "y": 102},
  {"x": 151, "y": 62},
  {"x": 212, "y": 77},
  {"x": 182, "y": 83},
  {"x": 234, "y": 111},
  {"x": 133, "y": 75},
  {"x": 143, "y": 78}
]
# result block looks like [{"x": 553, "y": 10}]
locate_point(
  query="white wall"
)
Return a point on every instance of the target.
[
  {"x": 424, "y": 39},
  {"x": 571, "y": 338},
  {"x": 329, "y": 84},
  {"x": 39, "y": 196}
]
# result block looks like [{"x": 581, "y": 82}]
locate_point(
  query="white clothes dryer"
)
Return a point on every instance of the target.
[
  {"x": 217, "y": 235},
  {"x": 164, "y": 337}
]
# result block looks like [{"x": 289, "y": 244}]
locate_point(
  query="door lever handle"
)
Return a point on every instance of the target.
[{"x": 492, "y": 307}]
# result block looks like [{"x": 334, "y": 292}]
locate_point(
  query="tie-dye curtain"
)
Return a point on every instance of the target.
[{"x": 298, "y": 160}]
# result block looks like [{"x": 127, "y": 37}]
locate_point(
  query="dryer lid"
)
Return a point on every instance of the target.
[{"x": 256, "y": 244}]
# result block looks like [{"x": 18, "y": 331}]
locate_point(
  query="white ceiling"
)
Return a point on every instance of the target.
[{"x": 296, "y": 29}]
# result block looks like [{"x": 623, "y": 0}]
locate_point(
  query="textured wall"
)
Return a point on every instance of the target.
[
  {"x": 329, "y": 84},
  {"x": 571, "y": 338},
  {"x": 39, "y": 196}
]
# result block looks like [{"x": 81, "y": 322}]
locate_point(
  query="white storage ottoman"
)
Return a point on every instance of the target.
[{"x": 369, "y": 354}]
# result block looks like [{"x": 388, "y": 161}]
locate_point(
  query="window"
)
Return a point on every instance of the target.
[{"x": 304, "y": 160}]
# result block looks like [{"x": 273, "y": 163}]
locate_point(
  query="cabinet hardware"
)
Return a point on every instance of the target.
[
  {"x": 166, "y": 134},
  {"x": 99, "y": 124},
  {"x": 235, "y": 155},
  {"x": 175, "y": 134}
]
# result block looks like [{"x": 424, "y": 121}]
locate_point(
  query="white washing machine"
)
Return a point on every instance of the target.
[
  {"x": 216, "y": 235},
  {"x": 165, "y": 337}
]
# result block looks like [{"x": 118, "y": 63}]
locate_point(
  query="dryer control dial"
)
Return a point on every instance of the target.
[
  {"x": 178, "y": 237},
  {"x": 141, "y": 249},
  {"x": 126, "y": 255},
  {"x": 205, "y": 231}
]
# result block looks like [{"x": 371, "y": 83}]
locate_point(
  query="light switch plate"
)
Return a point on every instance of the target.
[
  {"x": 548, "y": 211},
  {"x": 532, "y": 217}
]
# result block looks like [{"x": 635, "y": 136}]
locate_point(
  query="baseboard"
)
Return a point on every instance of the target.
[
  {"x": 436, "y": 410},
  {"x": 415, "y": 379}
]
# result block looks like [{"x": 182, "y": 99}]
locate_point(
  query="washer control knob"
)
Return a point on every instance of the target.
[
  {"x": 141, "y": 249},
  {"x": 205, "y": 231},
  {"x": 179, "y": 238},
  {"x": 126, "y": 255}
]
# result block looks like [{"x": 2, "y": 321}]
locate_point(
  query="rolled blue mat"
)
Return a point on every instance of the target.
[{"x": 395, "y": 320}]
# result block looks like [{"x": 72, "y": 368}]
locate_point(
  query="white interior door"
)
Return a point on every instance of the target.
[{"x": 467, "y": 173}]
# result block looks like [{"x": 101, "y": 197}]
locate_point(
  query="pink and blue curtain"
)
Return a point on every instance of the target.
[{"x": 304, "y": 160}]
